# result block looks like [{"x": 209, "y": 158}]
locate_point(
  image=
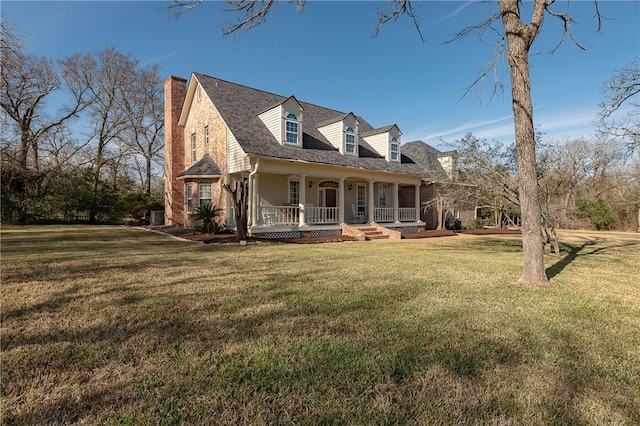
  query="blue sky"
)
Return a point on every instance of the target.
[{"x": 326, "y": 55}]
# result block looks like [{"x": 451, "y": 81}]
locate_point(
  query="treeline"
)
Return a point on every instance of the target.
[
  {"x": 584, "y": 183},
  {"x": 81, "y": 136}
]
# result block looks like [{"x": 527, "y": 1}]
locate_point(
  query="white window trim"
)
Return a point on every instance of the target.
[
  {"x": 200, "y": 197},
  {"x": 193, "y": 147},
  {"x": 289, "y": 182},
  {"x": 295, "y": 121},
  {"x": 351, "y": 132},
  {"x": 188, "y": 197},
  {"x": 394, "y": 141}
]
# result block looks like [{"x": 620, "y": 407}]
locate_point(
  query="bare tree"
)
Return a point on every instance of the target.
[
  {"x": 620, "y": 90},
  {"x": 146, "y": 133},
  {"x": 492, "y": 167},
  {"x": 240, "y": 198},
  {"x": 26, "y": 83},
  {"x": 516, "y": 39},
  {"x": 120, "y": 111}
]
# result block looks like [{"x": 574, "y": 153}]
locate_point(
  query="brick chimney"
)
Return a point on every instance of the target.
[{"x": 175, "y": 92}]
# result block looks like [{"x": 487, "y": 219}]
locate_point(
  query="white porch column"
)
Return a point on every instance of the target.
[
  {"x": 418, "y": 186},
  {"x": 396, "y": 203},
  {"x": 255, "y": 200},
  {"x": 341, "y": 201},
  {"x": 370, "y": 207},
  {"x": 302, "y": 201}
]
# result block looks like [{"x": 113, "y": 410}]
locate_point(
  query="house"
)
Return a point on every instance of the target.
[{"x": 311, "y": 170}]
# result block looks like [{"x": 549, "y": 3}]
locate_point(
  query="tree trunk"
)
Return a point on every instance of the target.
[
  {"x": 240, "y": 198},
  {"x": 520, "y": 38}
]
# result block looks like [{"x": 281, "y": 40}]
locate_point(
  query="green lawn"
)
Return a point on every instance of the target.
[{"x": 113, "y": 325}]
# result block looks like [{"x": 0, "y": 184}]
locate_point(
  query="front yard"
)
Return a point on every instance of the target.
[{"x": 113, "y": 325}]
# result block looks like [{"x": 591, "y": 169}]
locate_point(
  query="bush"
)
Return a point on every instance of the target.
[
  {"x": 453, "y": 225},
  {"x": 478, "y": 223},
  {"x": 598, "y": 212},
  {"x": 207, "y": 213}
]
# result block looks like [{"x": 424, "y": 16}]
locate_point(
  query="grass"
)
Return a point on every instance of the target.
[{"x": 113, "y": 325}]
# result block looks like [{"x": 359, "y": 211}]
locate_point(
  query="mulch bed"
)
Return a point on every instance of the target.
[{"x": 229, "y": 238}]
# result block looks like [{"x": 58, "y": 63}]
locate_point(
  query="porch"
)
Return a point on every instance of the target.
[{"x": 293, "y": 215}]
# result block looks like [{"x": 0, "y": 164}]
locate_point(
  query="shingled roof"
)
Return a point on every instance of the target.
[
  {"x": 205, "y": 168},
  {"x": 240, "y": 106},
  {"x": 427, "y": 156}
]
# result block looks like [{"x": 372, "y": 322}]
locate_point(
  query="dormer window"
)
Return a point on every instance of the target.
[
  {"x": 394, "y": 149},
  {"x": 285, "y": 122},
  {"x": 291, "y": 128},
  {"x": 350, "y": 140}
]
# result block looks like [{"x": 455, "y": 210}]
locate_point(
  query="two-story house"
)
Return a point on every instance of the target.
[{"x": 311, "y": 170}]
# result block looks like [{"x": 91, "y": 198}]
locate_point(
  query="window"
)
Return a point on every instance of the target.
[
  {"x": 382, "y": 196},
  {"x": 350, "y": 141},
  {"x": 199, "y": 93},
  {"x": 294, "y": 192},
  {"x": 206, "y": 135},
  {"x": 291, "y": 128},
  {"x": 193, "y": 147},
  {"x": 188, "y": 195},
  {"x": 204, "y": 193},
  {"x": 361, "y": 198},
  {"x": 394, "y": 149}
]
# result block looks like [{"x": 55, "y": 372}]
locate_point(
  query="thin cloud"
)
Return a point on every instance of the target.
[
  {"x": 467, "y": 127},
  {"x": 166, "y": 56},
  {"x": 454, "y": 13}
]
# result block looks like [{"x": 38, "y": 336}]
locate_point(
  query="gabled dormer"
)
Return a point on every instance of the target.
[
  {"x": 342, "y": 132},
  {"x": 284, "y": 121},
  {"x": 386, "y": 142}
]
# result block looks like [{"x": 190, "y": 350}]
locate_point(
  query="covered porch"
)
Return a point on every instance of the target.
[{"x": 320, "y": 201}]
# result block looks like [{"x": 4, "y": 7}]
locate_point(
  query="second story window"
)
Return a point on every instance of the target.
[
  {"x": 206, "y": 135},
  {"x": 394, "y": 149},
  {"x": 193, "y": 147},
  {"x": 291, "y": 129},
  {"x": 350, "y": 141}
]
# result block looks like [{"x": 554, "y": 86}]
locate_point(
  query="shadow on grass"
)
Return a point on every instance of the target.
[{"x": 573, "y": 251}]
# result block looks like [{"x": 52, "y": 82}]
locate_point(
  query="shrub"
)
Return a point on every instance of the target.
[
  {"x": 598, "y": 212},
  {"x": 478, "y": 223},
  {"x": 207, "y": 213}
]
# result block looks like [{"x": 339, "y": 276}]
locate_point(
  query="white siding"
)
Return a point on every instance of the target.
[
  {"x": 380, "y": 143},
  {"x": 237, "y": 160},
  {"x": 273, "y": 120},
  {"x": 447, "y": 165},
  {"x": 333, "y": 132}
]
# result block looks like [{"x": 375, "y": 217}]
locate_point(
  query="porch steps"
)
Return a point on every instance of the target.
[{"x": 373, "y": 234}]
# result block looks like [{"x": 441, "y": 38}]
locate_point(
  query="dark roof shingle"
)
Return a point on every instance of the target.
[{"x": 240, "y": 106}]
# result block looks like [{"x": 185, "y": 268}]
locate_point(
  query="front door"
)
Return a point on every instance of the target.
[{"x": 328, "y": 198}]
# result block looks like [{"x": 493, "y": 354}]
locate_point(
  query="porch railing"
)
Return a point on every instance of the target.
[
  {"x": 322, "y": 214},
  {"x": 383, "y": 214},
  {"x": 407, "y": 214},
  {"x": 279, "y": 215},
  {"x": 289, "y": 215},
  {"x": 386, "y": 214}
]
